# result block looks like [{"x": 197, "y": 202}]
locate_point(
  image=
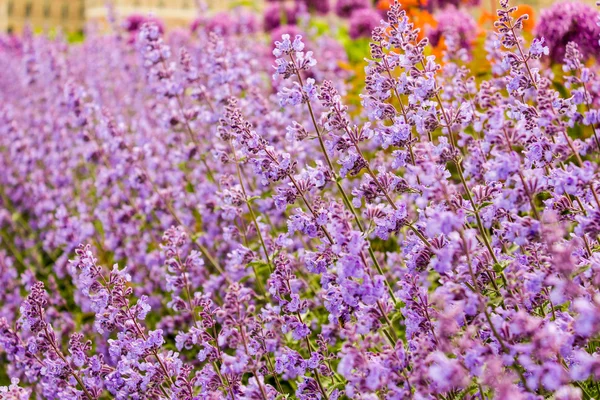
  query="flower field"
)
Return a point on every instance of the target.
[{"x": 345, "y": 201}]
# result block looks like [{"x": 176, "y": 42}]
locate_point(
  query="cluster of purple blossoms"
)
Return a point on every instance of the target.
[
  {"x": 363, "y": 21},
  {"x": 456, "y": 23},
  {"x": 280, "y": 13},
  {"x": 317, "y": 6},
  {"x": 345, "y": 8},
  {"x": 238, "y": 22},
  {"x": 202, "y": 216},
  {"x": 570, "y": 21},
  {"x": 134, "y": 23}
]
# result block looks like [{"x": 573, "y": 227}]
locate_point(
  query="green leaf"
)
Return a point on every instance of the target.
[{"x": 499, "y": 267}]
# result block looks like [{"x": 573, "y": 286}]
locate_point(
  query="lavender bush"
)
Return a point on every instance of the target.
[{"x": 196, "y": 216}]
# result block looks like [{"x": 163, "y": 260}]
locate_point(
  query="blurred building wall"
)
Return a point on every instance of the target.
[
  {"x": 171, "y": 12},
  {"x": 72, "y": 15},
  {"x": 42, "y": 14}
]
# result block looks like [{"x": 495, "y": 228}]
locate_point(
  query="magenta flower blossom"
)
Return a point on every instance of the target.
[
  {"x": 225, "y": 23},
  {"x": 569, "y": 21},
  {"x": 363, "y": 21},
  {"x": 221, "y": 23},
  {"x": 345, "y": 8},
  {"x": 318, "y": 6},
  {"x": 10, "y": 43},
  {"x": 134, "y": 22},
  {"x": 277, "y": 14},
  {"x": 456, "y": 23},
  {"x": 433, "y": 5}
]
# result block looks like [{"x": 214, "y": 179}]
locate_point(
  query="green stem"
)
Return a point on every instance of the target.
[{"x": 250, "y": 210}]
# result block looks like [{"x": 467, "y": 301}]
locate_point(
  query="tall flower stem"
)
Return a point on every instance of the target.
[
  {"x": 50, "y": 340},
  {"x": 249, "y": 206},
  {"x": 461, "y": 175},
  {"x": 258, "y": 382},
  {"x": 565, "y": 135},
  {"x": 488, "y": 318},
  {"x": 336, "y": 178},
  {"x": 205, "y": 252}
]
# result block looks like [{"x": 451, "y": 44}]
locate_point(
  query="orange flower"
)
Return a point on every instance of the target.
[
  {"x": 412, "y": 3},
  {"x": 486, "y": 17},
  {"x": 528, "y": 24},
  {"x": 438, "y": 51},
  {"x": 421, "y": 19},
  {"x": 384, "y": 5},
  {"x": 406, "y": 4}
]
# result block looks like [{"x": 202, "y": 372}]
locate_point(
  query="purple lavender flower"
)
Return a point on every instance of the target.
[{"x": 14, "y": 391}]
